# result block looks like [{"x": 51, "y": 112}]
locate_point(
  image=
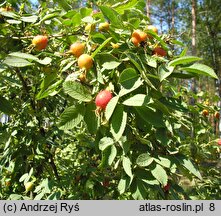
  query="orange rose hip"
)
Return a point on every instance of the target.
[{"x": 85, "y": 61}]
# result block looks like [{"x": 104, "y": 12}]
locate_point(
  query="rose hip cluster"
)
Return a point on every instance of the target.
[
  {"x": 85, "y": 61},
  {"x": 139, "y": 36}
]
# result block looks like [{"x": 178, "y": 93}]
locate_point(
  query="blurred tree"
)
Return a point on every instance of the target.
[
  {"x": 167, "y": 16},
  {"x": 148, "y": 3}
]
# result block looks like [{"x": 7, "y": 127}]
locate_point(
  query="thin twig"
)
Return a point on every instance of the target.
[
  {"x": 52, "y": 163},
  {"x": 49, "y": 36},
  {"x": 25, "y": 86}
]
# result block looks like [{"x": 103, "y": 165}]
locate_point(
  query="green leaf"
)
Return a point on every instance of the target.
[
  {"x": 29, "y": 175},
  {"x": 129, "y": 81},
  {"x": 12, "y": 21},
  {"x": 50, "y": 91},
  {"x": 48, "y": 17},
  {"x": 160, "y": 106},
  {"x": 28, "y": 56},
  {"x": 184, "y": 60},
  {"x": 110, "y": 65},
  {"x": 163, "y": 161},
  {"x": 91, "y": 119},
  {"x": 23, "y": 177},
  {"x": 88, "y": 19},
  {"x": 161, "y": 136},
  {"x": 99, "y": 38},
  {"x": 5, "y": 106},
  {"x": 55, "y": 196},
  {"x": 134, "y": 23},
  {"x": 152, "y": 62},
  {"x": 101, "y": 47},
  {"x": 123, "y": 184},
  {"x": 137, "y": 100},
  {"x": 29, "y": 19},
  {"x": 178, "y": 43},
  {"x": 49, "y": 78},
  {"x": 102, "y": 59},
  {"x": 40, "y": 195},
  {"x": 24, "y": 56},
  {"x": 67, "y": 66},
  {"x": 111, "y": 107},
  {"x": 137, "y": 62},
  {"x": 118, "y": 122},
  {"x": 164, "y": 72},
  {"x": 127, "y": 77},
  {"x": 173, "y": 103},
  {"x": 184, "y": 52},
  {"x": 160, "y": 174},
  {"x": 86, "y": 12},
  {"x": 146, "y": 176},
  {"x": 108, "y": 156},
  {"x": 89, "y": 184},
  {"x": 140, "y": 192},
  {"x": 13, "y": 82},
  {"x": 63, "y": 4},
  {"x": 163, "y": 44},
  {"x": 120, "y": 7},
  {"x": 15, "y": 197},
  {"x": 186, "y": 163},
  {"x": 144, "y": 160},
  {"x": 2, "y": 68},
  {"x": 200, "y": 69},
  {"x": 16, "y": 62},
  {"x": 183, "y": 75},
  {"x": 112, "y": 16},
  {"x": 105, "y": 142},
  {"x": 125, "y": 144},
  {"x": 26, "y": 177},
  {"x": 45, "y": 61},
  {"x": 77, "y": 91},
  {"x": 127, "y": 166},
  {"x": 9, "y": 14},
  {"x": 71, "y": 117},
  {"x": 112, "y": 155},
  {"x": 150, "y": 116},
  {"x": 76, "y": 20}
]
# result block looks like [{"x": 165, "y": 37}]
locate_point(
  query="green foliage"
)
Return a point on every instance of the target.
[
  {"x": 58, "y": 139},
  {"x": 77, "y": 91},
  {"x": 6, "y": 106}
]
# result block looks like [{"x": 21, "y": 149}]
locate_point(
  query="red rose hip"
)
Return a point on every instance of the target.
[
  {"x": 159, "y": 51},
  {"x": 217, "y": 115},
  {"x": 103, "y": 98},
  {"x": 40, "y": 42},
  {"x": 166, "y": 187}
]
